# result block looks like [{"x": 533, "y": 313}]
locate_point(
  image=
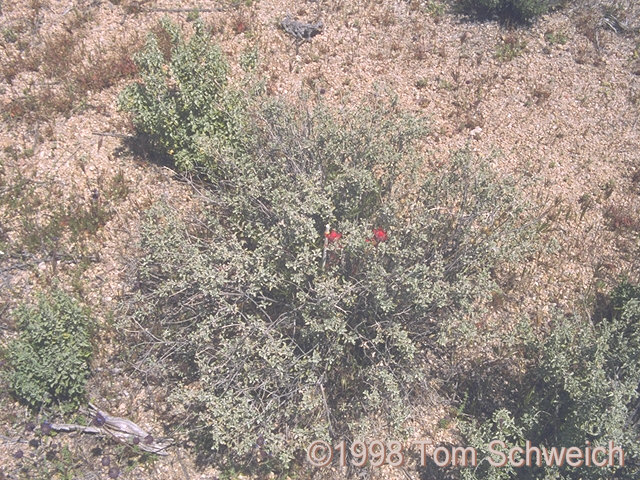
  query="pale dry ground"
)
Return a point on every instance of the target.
[{"x": 563, "y": 118}]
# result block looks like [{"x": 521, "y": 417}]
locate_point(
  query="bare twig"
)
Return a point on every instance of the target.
[
  {"x": 300, "y": 30},
  {"x": 112, "y": 134},
  {"x": 6, "y": 439},
  {"x": 326, "y": 407},
  {"x": 73, "y": 427},
  {"x": 184, "y": 470},
  {"x": 326, "y": 244}
]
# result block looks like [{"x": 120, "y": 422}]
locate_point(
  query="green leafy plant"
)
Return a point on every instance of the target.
[
  {"x": 581, "y": 385},
  {"x": 556, "y": 37},
  {"x": 49, "y": 361},
  {"x": 183, "y": 99}
]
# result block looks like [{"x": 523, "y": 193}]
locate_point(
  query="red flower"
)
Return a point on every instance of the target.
[
  {"x": 380, "y": 235},
  {"x": 332, "y": 236}
]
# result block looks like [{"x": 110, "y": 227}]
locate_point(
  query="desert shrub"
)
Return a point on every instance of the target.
[
  {"x": 275, "y": 337},
  {"x": 273, "y": 331},
  {"x": 581, "y": 385},
  {"x": 183, "y": 98},
  {"x": 515, "y": 10},
  {"x": 49, "y": 361}
]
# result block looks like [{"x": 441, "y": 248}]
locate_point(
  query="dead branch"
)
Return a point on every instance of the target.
[
  {"x": 111, "y": 134},
  {"x": 121, "y": 429}
]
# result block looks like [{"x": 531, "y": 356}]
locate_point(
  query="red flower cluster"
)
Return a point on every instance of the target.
[
  {"x": 380, "y": 235},
  {"x": 332, "y": 236}
]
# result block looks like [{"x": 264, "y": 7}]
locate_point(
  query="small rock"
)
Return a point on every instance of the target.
[
  {"x": 476, "y": 131},
  {"x": 99, "y": 420},
  {"x": 45, "y": 428}
]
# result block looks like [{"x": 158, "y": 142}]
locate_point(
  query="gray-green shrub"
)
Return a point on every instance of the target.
[
  {"x": 268, "y": 342},
  {"x": 49, "y": 361},
  {"x": 581, "y": 385},
  {"x": 275, "y": 337}
]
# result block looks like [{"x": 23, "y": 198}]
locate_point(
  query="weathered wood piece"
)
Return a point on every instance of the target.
[{"x": 120, "y": 428}]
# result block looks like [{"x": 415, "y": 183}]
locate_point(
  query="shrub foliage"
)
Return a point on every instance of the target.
[
  {"x": 49, "y": 362},
  {"x": 281, "y": 333},
  {"x": 182, "y": 97},
  {"x": 582, "y": 385}
]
